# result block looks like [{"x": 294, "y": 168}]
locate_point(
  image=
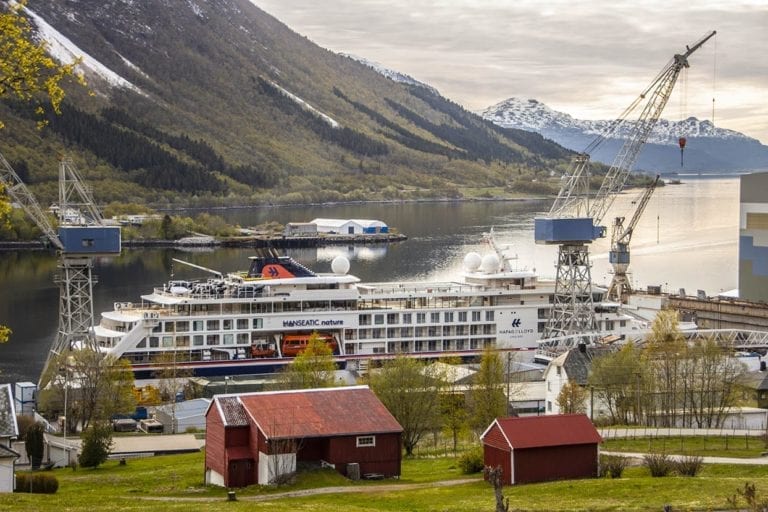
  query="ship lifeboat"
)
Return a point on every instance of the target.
[{"x": 294, "y": 344}]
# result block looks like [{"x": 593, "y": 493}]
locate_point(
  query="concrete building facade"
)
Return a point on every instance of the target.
[{"x": 753, "y": 237}]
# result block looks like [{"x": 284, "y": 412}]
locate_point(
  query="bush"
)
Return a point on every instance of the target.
[
  {"x": 38, "y": 483},
  {"x": 659, "y": 464},
  {"x": 97, "y": 443},
  {"x": 613, "y": 465},
  {"x": 472, "y": 461},
  {"x": 689, "y": 465}
]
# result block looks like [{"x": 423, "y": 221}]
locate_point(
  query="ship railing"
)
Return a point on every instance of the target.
[{"x": 731, "y": 338}]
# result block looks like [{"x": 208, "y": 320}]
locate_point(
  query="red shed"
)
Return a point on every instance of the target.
[
  {"x": 260, "y": 437},
  {"x": 541, "y": 448}
]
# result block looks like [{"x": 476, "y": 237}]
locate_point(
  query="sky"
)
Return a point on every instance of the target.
[{"x": 589, "y": 59}]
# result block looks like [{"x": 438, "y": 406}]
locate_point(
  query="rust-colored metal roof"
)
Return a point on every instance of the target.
[
  {"x": 552, "y": 430},
  {"x": 319, "y": 413}
]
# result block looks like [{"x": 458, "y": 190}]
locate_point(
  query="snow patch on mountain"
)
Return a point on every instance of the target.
[
  {"x": 393, "y": 75},
  {"x": 306, "y": 106},
  {"x": 532, "y": 115},
  {"x": 65, "y": 51}
]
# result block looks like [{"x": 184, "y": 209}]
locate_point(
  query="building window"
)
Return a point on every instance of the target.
[
  {"x": 549, "y": 406},
  {"x": 366, "y": 441},
  {"x": 462, "y": 316},
  {"x": 378, "y": 319}
]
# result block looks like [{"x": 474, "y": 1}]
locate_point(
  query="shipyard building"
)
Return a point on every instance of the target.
[{"x": 753, "y": 237}]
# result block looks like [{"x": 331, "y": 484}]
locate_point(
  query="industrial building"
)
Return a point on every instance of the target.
[{"x": 753, "y": 237}]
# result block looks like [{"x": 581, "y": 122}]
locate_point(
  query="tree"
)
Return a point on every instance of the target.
[
  {"x": 95, "y": 387},
  {"x": 97, "y": 443},
  {"x": 487, "y": 398},
  {"x": 619, "y": 380},
  {"x": 33, "y": 442},
  {"x": 453, "y": 404},
  {"x": 572, "y": 398},
  {"x": 410, "y": 390},
  {"x": 27, "y": 72},
  {"x": 312, "y": 368}
]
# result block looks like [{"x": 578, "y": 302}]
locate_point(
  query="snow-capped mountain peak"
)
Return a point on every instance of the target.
[
  {"x": 708, "y": 148},
  {"x": 390, "y": 73}
]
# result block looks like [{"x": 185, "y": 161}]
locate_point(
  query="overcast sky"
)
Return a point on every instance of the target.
[{"x": 589, "y": 59}]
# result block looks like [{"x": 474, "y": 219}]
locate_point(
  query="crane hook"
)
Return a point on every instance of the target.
[{"x": 681, "y": 142}]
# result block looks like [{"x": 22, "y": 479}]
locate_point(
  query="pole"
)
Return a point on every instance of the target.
[{"x": 509, "y": 398}]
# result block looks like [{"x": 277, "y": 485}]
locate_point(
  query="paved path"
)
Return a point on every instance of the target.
[
  {"x": 346, "y": 489},
  {"x": 755, "y": 461}
]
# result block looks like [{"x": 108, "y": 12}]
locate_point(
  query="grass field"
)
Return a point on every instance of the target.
[
  {"x": 731, "y": 446},
  {"x": 175, "y": 483}
]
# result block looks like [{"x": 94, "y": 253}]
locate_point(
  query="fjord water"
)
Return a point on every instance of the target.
[{"x": 687, "y": 238}]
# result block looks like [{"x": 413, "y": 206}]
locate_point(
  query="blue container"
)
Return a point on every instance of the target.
[
  {"x": 90, "y": 239},
  {"x": 559, "y": 231}
]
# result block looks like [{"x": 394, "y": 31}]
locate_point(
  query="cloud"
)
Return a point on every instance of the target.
[{"x": 586, "y": 58}]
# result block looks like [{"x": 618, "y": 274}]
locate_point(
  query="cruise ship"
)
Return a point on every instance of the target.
[{"x": 255, "y": 321}]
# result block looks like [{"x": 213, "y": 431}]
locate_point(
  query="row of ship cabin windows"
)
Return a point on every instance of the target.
[
  {"x": 241, "y": 324},
  {"x": 405, "y": 347},
  {"x": 209, "y": 325},
  {"x": 420, "y": 332}
]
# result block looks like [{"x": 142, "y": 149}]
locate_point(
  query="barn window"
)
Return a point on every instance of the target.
[{"x": 365, "y": 441}]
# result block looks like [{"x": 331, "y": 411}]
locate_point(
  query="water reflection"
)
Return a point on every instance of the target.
[{"x": 687, "y": 238}]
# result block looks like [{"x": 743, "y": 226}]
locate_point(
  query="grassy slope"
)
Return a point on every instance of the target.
[{"x": 175, "y": 483}]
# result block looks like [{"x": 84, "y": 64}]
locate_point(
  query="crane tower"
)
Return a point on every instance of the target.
[
  {"x": 618, "y": 256},
  {"x": 574, "y": 221},
  {"x": 81, "y": 236}
]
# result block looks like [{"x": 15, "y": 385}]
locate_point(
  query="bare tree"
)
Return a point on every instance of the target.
[
  {"x": 572, "y": 398},
  {"x": 312, "y": 368}
]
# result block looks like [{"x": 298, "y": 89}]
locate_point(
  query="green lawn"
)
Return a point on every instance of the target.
[
  {"x": 175, "y": 483},
  {"x": 731, "y": 446}
]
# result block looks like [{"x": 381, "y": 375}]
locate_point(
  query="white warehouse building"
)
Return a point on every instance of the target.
[{"x": 350, "y": 226}]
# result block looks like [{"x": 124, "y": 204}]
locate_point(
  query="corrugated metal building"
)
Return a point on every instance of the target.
[
  {"x": 753, "y": 237},
  {"x": 542, "y": 448},
  {"x": 350, "y": 226},
  {"x": 260, "y": 437}
]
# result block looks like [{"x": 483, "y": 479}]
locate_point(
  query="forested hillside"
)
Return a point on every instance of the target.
[{"x": 220, "y": 103}]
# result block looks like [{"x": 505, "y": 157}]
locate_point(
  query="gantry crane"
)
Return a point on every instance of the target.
[
  {"x": 621, "y": 236},
  {"x": 80, "y": 237},
  {"x": 574, "y": 221}
]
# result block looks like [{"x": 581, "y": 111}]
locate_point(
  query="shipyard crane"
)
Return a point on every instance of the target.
[
  {"x": 618, "y": 256},
  {"x": 574, "y": 221},
  {"x": 81, "y": 236}
]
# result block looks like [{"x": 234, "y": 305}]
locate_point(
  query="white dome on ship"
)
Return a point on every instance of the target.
[
  {"x": 472, "y": 261},
  {"x": 340, "y": 265},
  {"x": 490, "y": 263}
]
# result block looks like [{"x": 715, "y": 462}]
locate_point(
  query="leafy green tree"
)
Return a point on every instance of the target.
[
  {"x": 312, "y": 368},
  {"x": 27, "y": 71},
  {"x": 97, "y": 444},
  {"x": 488, "y": 400},
  {"x": 410, "y": 390}
]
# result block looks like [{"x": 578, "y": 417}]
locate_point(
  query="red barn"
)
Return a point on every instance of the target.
[
  {"x": 260, "y": 437},
  {"x": 541, "y": 448}
]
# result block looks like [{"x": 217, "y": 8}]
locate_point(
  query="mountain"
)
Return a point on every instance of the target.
[
  {"x": 200, "y": 102},
  {"x": 708, "y": 148}
]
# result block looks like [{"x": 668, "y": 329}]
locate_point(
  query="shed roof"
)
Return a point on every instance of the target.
[
  {"x": 340, "y": 222},
  {"x": 7, "y": 453},
  {"x": 552, "y": 430},
  {"x": 319, "y": 413},
  {"x": 231, "y": 410},
  {"x": 8, "y": 425}
]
